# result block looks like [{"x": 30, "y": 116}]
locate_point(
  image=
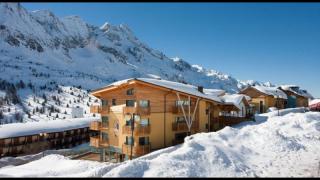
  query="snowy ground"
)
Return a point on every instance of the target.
[{"x": 286, "y": 145}]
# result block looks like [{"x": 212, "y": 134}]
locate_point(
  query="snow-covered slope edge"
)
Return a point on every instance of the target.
[{"x": 279, "y": 146}]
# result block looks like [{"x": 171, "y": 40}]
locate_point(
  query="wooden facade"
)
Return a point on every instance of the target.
[
  {"x": 262, "y": 101},
  {"x": 296, "y": 100},
  {"x": 36, "y": 143},
  {"x": 159, "y": 118}
]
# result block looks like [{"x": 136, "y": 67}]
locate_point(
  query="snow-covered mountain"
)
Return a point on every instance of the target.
[{"x": 52, "y": 54}]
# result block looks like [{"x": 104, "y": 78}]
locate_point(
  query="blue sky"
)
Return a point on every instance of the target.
[{"x": 276, "y": 42}]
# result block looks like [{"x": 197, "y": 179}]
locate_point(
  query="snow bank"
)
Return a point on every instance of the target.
[
  {"x": 285, "y": 145},
  {"x": 31, "y": 128}
]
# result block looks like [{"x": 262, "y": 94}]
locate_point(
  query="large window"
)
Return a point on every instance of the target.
[
  {"x": 182, "y": 102},
  {"x": 129, "y": 140},
  {"x": 104, "y": 102},
  {"x": 144, "y": 103},
  {"x": 105, "y": 121},
  {"x": 130, "y": 91},
  {"x": 143, "y": 140},
  {"x": 130, "y": 103}
]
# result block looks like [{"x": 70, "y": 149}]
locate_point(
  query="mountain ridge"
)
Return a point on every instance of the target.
[{"x": 39, "y": 48}]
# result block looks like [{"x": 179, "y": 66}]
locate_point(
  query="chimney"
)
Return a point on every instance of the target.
[{"x": 200, "y": 89}]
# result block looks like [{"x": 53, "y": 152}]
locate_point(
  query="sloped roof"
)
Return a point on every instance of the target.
[
  {"x": 272, "y": 91},
  {"x": 235, "y": 99},
  {"x": 32, "y": 128},
  {"x": 315, "y": 101},
  {"x": 184, "y": 88},
  {"x": 296, "y": 89}
]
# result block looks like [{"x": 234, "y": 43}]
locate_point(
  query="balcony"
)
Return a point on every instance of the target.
[
  {"x": 138, "y": 129},
  {"x": 178, "y": 110},
  {"x": 103, "y": 110},
  {"x": 137, "y": 149},
  {"x": 95, "y": 141},
  {"x": 95, "y": 125},
  {"x": 183, "y": 126},
  {"x": 136, "y": 110}
]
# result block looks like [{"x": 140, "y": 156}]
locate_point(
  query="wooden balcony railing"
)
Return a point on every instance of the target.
[
  {"x": 103, "y": 110},
  {"x": 138, "y": 129},
  {"x": 136, "y": 110},
  {"x": 178, "y": 110},
  {"x": 95, "y": 141},
  {"x": 95, "y": 125},
  {"x": 183, "y": 126},
  {"x": 228, "y": 120},
  {"x": 137, "y": 149}
]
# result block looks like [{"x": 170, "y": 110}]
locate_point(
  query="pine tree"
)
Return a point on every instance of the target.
[
  {"x": 1, "y": 115},
  {"x": 44, "y": 97},
  {"x": 57, "y": 116},
  {"x": 67, "y": 105},
  {"x": 65, "y": 112}
]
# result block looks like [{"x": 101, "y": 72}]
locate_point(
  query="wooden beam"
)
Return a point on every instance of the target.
[{"x": 184, "y": 114}]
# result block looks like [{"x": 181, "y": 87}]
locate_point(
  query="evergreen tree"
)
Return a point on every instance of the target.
[{"x": 1, "y": 115}]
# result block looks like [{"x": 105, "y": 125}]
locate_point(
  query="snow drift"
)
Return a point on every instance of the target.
[{"x": 285, "y": 145}]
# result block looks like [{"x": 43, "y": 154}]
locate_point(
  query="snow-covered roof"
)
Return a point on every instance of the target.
[
  {"x": 272, "y": 91},
  {"x": 31, "y": 128},
  {"x": 235, "y": 99},
  {"x": 185, "y": 88},
  {"x": 296, "y": 89},
  {"x": 315, "y": 101},
  {"x": 215, "y": 92}
]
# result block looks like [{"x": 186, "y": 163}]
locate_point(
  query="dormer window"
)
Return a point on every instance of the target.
[{"x": 130, "y": 92}]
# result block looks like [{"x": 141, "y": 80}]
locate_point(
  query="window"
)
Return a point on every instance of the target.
[
  {"x": 129, "y": 140},
  {"x": 182, "y": 102},
  {"x": 144, "y": 122},
  {"x": 143, "y": 140},
  {"x": 130, "y": 92},
  {"x": 128, "y": 122},
  {"x": 144, "y": 103},
  {"x": 130, "y": 103},
  {"x": 113, "y": 102},
  {"x": 105, "y": 121},
  {"x": 104, "y": 136},
  {"x": 180, "y": 119},
  {"x": 104, "y": 102}
]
